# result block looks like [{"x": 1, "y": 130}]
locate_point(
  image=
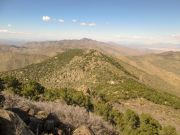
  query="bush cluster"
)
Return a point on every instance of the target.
[
  {"x": 30, "y": 89},
  {"x": 71, "y": 96},
  {"x": 129, "y": 123}
]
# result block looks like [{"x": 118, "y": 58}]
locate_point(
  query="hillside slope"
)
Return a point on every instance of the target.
[
  {"x": 13, "y": 57},
  {"x": 94, "y": 71},
  {"x": 161, "y": 71},
  {"x": 100, "y": 77},
  {"x": 10, "y": 60}
]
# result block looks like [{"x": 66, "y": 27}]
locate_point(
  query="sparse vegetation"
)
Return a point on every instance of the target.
[
  {"x": 168, "y": 130},
  {"x": 32, "y": 90},
  {"x": 149, "y": 126},
  {"x": 128, "y": 123},
  {"x": 71, "y": 96},
  {"x": 106, "y": 81}
]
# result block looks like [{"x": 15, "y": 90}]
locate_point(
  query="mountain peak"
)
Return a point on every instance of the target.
[{"x": 86, "y": 39}]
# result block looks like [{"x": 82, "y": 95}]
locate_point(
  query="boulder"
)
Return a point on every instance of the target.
[
  {"x": 11, "y": 124},
  {"x": 22, "y": 114},
  {"x": 83, "y": 130},
  {"x": 36, "y": 125},
  {"x": 41, "y": 115}
]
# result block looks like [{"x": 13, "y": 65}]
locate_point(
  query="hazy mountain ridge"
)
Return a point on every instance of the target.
[{"x": 38, "y": 51}]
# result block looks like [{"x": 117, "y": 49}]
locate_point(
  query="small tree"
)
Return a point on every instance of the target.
[
  {"x": 32, "y": 89},
  {"x": 88, "y": 105},
  {"x": 12, "y": 83},
  {"x": 168, "y": 130},
  {"x": 149, "y": 126},
  {"x": 116, "y": 118},
  {"x": 102, "y": 109},
  {"x": 131, "y": 119}
]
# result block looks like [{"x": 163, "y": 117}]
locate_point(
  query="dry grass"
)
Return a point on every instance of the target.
[
  {"x": 159, "y": 71},
  {"x": 76, "y": 116},
  {"x": 70, "y": 115}
]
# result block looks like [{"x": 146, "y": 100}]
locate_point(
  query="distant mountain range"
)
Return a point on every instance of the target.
[{"x": 13, "y": 57}]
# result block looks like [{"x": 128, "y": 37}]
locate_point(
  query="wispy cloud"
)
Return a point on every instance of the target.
[
  {"x": 83, "y": 24},
  {"x": 61, "y": 20},
  {"x": 74, "y": 20},
  {"x": 92, "y": 24},
  {"x": 3, "y": 31},
  {"x": 129, "y": 37},
  {"x": 12, "y": 32},
  {"x": 9, "y": 25},
  {"x": 176, "y": 36},
  {"x": 87, "y": 24},
  {"x": 46, "y": 18}
]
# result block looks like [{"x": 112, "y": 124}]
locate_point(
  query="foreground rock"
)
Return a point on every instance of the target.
[
  {"x": 83, "y": 130},
  {"x": 2, "y": 99},
  {"x": 11, "y": 124}
]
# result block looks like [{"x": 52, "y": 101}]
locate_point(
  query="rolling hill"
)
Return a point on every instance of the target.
[
  {"x": 160, "y": 71},
  {"x": 98, "y": 76},
  {"x": 89, "y": 69},
  {"x": 14, "y": 57}
]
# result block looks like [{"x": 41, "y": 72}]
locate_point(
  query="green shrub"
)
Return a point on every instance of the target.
[
  {"x": 32, "y": 89},
  {"x": 168, "y": 130},
  {"x": 116, "y": 118},
  {"x": 131, "y": 123},
  {"x": 103, "y": 109},
  {"x": 149, "y": 126},
  {"x": 71, "y": 96},
  {"x": 131, "y": 119},
  {"x": 11, "y": 82}
]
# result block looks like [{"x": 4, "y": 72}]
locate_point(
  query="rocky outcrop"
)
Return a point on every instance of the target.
[
  {"x": 11, "y": 124},
  {"x": 44, "y": 118}
]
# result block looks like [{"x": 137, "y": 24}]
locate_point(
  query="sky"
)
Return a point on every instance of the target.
[{"x": 125, "y": 21}]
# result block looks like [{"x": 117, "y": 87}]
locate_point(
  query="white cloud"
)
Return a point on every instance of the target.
[
  {"x": 74, "y": 20},
  {"x": 3, "y": 31},
  {"x": 176, "y": 36},
  {"x": 61, "y": 20},
  {"x": 9, "y": 25},
  {"x": 92, "y": 24},
  {"x": 12, "y": 32},
  {"x": 46, "y": 18},
  {"x": 87, "y": 24},
  {"x": 83, "y": 24},
  {"x": 134, "y": 37}
]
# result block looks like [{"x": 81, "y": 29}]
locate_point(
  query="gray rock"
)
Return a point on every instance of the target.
[{"x": 11, "y": 124}]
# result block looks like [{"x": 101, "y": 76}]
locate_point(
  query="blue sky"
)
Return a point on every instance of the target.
[{"x": 128, "y": 21}]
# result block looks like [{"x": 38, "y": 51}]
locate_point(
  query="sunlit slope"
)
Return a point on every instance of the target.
[
  {"x": 13, "y": 57},
  {"x": 160, "y": 71},
  {"x": 12, "y": 60},
  {"x": 93, "y": 71}
]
